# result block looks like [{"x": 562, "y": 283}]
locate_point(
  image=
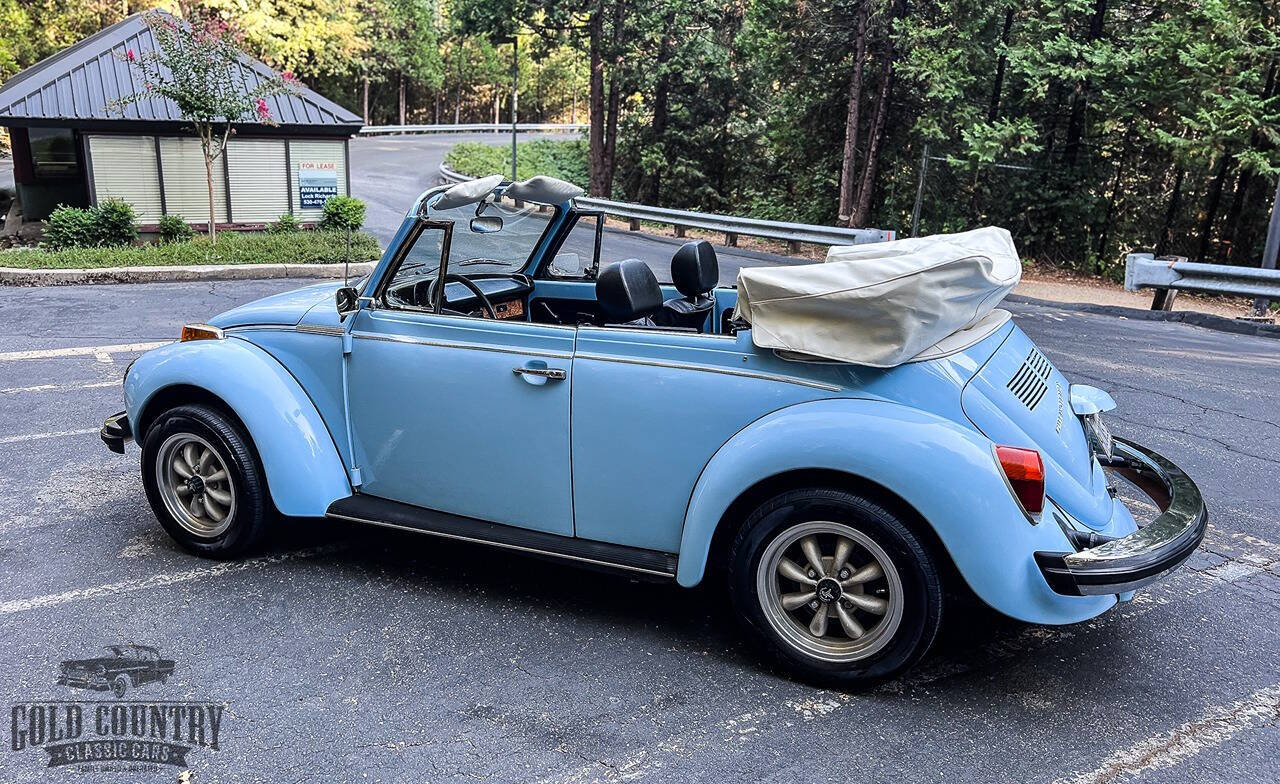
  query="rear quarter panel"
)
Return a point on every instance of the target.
[{"x": 944, "y": 470}]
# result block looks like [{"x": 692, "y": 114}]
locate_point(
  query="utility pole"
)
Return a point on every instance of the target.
[
  {"x": 515, "y": 97},
  {"x": 915, "y": 210},
  {"x": 1270, "y": 250}
]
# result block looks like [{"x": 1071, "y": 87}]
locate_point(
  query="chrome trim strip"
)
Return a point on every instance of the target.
[
  {"x": 448, "y": 344},
  {"x": 478, "y": 540},
  {"x": 804, "y": 382},
  {"x": 261, "y": 328},
  {"x": 320, "y": 329}
]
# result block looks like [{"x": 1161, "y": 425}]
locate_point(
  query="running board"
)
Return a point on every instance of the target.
[{"x": 406, "y": 517}]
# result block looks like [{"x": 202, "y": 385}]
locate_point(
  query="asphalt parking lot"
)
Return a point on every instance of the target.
[{"x": 347, "y": 654}]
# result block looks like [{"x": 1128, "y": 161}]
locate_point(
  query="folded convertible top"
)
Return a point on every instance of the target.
[{"x": 880, "y": 304}]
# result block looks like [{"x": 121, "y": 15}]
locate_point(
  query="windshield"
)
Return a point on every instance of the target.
[{"x": 506, "y": 250}]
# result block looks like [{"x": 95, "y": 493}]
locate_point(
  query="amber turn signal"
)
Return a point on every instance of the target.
[
  {"x": 200, "y": 332},
  {"x": 1025, "y": 471}
]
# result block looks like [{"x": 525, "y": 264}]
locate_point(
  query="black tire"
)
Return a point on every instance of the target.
[
  {"x": 252, "y": 509},
  {"x": 917, "y": 570},
  {"x": 120, "y": 686}
]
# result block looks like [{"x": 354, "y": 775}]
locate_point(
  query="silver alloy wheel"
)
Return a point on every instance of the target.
[
  {"x": 195, "y": 485},
  {"x": 830, "y": 591}
]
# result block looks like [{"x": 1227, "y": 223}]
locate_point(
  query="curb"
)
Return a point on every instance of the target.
[
  {"x": 14, "y": 276},
  {"x": 1195, "y": 319}
]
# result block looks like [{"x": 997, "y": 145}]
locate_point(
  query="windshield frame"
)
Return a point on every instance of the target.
[{"x": 550, "y": 230}]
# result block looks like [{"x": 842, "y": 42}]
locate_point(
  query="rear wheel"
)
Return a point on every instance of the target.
[
  {"x": 835, "y": 587},
  {"x": 204, "y": 481}
]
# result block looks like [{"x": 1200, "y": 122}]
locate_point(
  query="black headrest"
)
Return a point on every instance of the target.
[
  {"x": 694, "y": 268},
  {"x": 628, "y": 291}
]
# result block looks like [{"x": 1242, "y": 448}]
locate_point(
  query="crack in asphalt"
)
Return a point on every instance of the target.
[
  {"x": 1225, "y": 445},
  {"x": 1194, "y": 404}
]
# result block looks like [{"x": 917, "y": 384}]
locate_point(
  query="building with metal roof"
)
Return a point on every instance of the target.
[{"x": 74, "y": 144}]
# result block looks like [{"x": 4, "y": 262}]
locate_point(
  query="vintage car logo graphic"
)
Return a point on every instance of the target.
[
  {"x": 116, "y": 734},
  {"x": 125, "y": 667}
]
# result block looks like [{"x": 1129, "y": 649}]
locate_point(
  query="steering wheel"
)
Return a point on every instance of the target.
[{"x": 470, "y": 284}]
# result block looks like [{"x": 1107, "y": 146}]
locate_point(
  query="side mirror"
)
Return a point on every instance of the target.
[
  {"x": 348, "y": 300},
  {"x": 486, "y": 224}
]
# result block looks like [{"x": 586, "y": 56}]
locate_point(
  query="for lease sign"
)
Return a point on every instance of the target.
[{"x": 317, "y": 182}]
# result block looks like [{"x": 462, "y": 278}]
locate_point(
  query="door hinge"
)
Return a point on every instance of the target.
[
  {"x": 355, "y": 476},
  {"x": 346, "y": 342}
]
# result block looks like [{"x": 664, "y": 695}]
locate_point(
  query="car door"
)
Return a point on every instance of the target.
[{"x": 463, "y": 415}]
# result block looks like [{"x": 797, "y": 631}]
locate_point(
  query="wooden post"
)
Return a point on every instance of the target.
[
  {"x": 731, "y": 239},
  {"x": 634, "y": 225},
  {"x": 1163, "y": 299},
  {"x": 793, "y": 247},
  {"x": 680, "y": 230}
]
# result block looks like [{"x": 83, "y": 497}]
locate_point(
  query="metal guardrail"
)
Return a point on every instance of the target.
[
  {"x": 388, "y": 130},
  {"x": 732, "y": 226},
  {"x": 1145, "y": 271}
]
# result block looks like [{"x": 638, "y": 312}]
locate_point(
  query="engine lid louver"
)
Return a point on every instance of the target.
[{"x": 1031, "y": 381}]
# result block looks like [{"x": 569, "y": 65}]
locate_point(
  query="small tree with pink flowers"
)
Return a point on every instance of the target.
[{"x": 198, "y": 66}]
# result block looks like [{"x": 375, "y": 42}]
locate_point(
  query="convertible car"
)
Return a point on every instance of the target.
[{"x": 845, "y": 446}]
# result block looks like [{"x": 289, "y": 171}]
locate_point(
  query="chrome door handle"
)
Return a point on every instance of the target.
[{"x": 553, "y": 374}]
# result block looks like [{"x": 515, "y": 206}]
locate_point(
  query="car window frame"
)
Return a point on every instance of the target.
[
  {"x": 421, "y": 225},
  {"x": 593, "y": 270}
]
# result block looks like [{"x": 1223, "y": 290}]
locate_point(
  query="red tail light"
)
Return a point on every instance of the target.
[{"x": 1025, "y": 471}]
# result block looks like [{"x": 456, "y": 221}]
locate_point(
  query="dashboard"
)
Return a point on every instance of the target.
[{"x": 506, "y": 292}]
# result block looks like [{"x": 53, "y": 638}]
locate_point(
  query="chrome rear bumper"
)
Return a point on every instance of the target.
[{"x": 1150, "y": 552}]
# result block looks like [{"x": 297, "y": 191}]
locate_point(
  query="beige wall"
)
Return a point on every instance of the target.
[
  {"x": 124, "y": 167},
  {"x": 186, "y": 187},
  {"x": 261, "y": 175}
]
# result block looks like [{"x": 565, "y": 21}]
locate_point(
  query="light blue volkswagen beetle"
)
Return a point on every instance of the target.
[{"x": 490, "y": 382}]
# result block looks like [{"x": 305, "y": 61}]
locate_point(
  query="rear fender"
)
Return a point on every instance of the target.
[
  {"x": 945, "y": 471},
  {"x": 304, "y": 471}
]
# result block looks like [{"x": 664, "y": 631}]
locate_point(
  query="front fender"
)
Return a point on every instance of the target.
[
  {"x": 304, "y": 471},
  {"x": 945, "y": 471}
]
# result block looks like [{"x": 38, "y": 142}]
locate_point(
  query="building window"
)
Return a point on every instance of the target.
[{"x": 53, "y": 153}]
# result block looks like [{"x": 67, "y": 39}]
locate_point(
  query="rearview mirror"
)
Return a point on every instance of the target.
[
  {"x": 486, "y": 224},
  {"x": 348, "y": 299}
]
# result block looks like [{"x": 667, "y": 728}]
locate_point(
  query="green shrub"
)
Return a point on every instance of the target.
[
  {"x": 564, "y": 160},
  {"x": 342, "y": 213},
  {"x": 107, "y": 224},
  {"x": 114, "y": 223},
  {"x": 286, "y": 225},
  {"x": 174, "y": 228},
  {"x": 303, "y": 247},
  {"x": 69, "y": 227}
]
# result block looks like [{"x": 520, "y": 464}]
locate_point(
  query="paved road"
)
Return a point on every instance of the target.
[
  {"x": 389, "y": 172},
  {"x": 356, "y": 655}
]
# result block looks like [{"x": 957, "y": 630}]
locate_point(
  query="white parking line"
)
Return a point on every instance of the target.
[
  {"x": 101, "y": 353},
  {"x": 53, "y": 434},
  {"x": 156, "y": 581},
  {"x": 60, "y": 387},
  {"x": 1217, "y": 726}
]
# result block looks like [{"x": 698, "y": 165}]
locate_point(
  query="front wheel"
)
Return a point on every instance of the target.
[
  {"x": 204, "y": 481},
  {"x": 119, "y": 686},
  {"x": 835, "y": 587}
]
